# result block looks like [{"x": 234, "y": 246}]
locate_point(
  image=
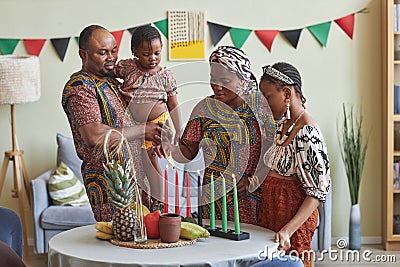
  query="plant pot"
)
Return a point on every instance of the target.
[
  {"x": 170, "y": 227},
  {"x": 355, "y": 228}
]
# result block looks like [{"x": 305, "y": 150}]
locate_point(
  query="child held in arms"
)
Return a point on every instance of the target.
[{"x": 150, "y": 92}]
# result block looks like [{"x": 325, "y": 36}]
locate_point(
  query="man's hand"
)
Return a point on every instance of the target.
[{"x": 153, "y": 131}]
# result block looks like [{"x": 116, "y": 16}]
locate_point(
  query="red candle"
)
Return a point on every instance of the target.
[
  {"x": 176, "y": 193},
  {"x": 188, "y": 211},
  {"x": 166, "y": 189}
]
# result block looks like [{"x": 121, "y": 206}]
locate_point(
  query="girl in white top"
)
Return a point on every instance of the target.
[{"x": 299, "y": 177}]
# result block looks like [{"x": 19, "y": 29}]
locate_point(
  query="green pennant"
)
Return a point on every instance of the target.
[
  {"x": 7, "y": 46},
  {"x": 320, "y": 32},
  {"x": 239, "y": 36},
  {"x": 162, "y": 25},
  {"x": 77, "y": 39}
]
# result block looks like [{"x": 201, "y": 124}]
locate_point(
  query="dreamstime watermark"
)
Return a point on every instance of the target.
[{"x": 341, "y": 254}]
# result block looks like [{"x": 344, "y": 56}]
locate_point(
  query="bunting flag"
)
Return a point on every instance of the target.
[
  {"x": 7, "y": 46},
  {"x": 217, "y": 31},
  {"x": 239, "y": 36},
  {"x": 267, "y": 37},
  {"x": 292, "y": 36},
  {"x": 34, "y": 46},
  {"x": 320, "y": 32},
  {"x": 132, "y": 29},
  {"x": 347, "y": 24},
  {"x": 118, "y": 37},
  {"x": 162, "y": 25},
  {"x": 60, "y": 45}
]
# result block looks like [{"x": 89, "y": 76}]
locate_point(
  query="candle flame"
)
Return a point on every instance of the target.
[
  {"x": 198, "y": 172},
  {"x": 166, "y": 166},
  {"x": 169, "y": 159},
  {"x": 233, "y": 175}
]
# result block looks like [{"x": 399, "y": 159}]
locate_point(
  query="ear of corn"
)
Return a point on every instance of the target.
[{"x": 193, "y": 231}]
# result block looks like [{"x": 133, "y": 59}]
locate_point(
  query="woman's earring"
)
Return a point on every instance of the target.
[{"x": 288, "y": 109}]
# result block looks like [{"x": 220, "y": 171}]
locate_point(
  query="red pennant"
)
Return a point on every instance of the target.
[
  {"x": 34, "y": 46},
  {"x": 347, "y": 24},
  {"x": 267, "y": 37},
  {"x": 118, "y": 37}
]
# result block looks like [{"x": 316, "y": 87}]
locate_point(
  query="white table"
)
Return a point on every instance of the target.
[{"x": 80, "y": 247}]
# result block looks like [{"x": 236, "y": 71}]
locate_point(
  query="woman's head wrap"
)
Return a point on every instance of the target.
[{"x": 236, "y": 61}]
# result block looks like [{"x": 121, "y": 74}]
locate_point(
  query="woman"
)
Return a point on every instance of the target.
[
  {"x": 299, "y": 177},
  {"x": 227, "y": 128}
]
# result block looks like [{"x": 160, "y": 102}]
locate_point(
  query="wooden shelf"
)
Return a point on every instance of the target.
[{"x": 390, "y": 67}]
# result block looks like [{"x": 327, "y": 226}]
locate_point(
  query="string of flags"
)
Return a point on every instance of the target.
[{"x": 217, "y": 31}]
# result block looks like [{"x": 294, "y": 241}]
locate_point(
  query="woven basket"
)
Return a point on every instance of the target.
[
  {"x": 153, "y": 244},
  {"x": 19, "y": 79}
]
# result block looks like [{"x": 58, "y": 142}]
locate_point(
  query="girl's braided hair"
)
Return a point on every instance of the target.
[{"x": 142, "y": 34}]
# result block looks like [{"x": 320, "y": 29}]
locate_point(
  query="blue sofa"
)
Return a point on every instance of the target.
[{"x": 49, "y": 219}]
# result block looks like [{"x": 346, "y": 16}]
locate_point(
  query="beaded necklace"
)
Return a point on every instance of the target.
[{"x": 282, "y": 140}]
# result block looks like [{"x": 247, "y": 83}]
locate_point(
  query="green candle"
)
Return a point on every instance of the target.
[
  {"x": 212, "y": 205},
  {"x": 235, "y": 207},
  {"x": 224, "y": 213}
]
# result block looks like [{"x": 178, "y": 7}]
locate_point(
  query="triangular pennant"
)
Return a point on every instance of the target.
[
  {"x": 34, "y": 46},
  {"x": 321, "y": 32},
  {"x": 60, "y": 45},
  {"x": 217, "y": 31},
  {"x": 347, "y": 24},
  {"x": 162, "y": 25},
  {"x": 132, "y": 29},
  {"x": 267, "y": 37},
  {"x": 239, "y": 36},
  {"x": 118, "y": 37},
  {"x": 292, "y": 36},
  {"x": 7, "y": 46},
  {"x": 77, "y": 39}
]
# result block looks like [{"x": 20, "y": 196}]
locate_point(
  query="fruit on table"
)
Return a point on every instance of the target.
[
  {"x": 151, "y": 223},
  {"x": 105, "y": 227},
  {"x": 104, "y": 236},
  {"x": 145, "y": 209},
  {"x": 193, "y": 231},
  {"x": 121, "y": 184}
]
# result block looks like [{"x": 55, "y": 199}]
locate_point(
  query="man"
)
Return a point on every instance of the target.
[{"x": 93, "y": 105}]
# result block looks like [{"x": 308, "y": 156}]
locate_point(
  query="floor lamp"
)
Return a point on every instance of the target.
[{"x": 19, "y": 84}]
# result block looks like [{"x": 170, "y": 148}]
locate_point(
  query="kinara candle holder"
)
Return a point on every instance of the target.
[{"x": 229, "y": 234}]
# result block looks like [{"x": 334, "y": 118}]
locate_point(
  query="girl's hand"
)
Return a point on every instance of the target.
[{"x": 283, "y": 238}]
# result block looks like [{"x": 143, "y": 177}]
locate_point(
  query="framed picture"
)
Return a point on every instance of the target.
[{"x": 186, "y": 35}]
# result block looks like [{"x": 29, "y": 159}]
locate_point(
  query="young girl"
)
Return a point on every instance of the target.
[
  {"x": 299, "y": 176},
  {"x": 151, "y": 92}
]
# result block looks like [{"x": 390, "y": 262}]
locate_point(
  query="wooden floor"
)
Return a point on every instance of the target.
[{"x": 373, "y": 256}]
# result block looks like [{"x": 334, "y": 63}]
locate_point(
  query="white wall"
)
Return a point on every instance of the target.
[{"x": 345, "y": 71}]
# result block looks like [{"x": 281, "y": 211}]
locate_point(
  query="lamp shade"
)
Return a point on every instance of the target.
[{"x": 19, "y": 79}]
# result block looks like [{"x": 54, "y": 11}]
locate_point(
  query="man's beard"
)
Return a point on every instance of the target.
[{"x": 109, "y": 74}]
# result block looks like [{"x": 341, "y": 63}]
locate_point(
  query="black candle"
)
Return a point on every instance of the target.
[{"x": 199, "y": 204}]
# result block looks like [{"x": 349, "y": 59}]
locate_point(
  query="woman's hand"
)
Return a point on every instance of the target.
[{"x": 283, "y": 238}]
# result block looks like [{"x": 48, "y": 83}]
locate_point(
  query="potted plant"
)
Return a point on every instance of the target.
[{"x": 353, "y": 147}]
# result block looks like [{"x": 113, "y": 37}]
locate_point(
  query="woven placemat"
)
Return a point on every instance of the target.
[{"x": 152, "y": 244}]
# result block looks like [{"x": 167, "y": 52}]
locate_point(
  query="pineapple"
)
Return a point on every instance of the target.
[{"x": 122, "y": 192}]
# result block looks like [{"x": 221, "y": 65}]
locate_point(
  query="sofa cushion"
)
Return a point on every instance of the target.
[
  {"x": 66, "y": 153},
  {"x": 66, "y": 217},
  {"x": 65, "y": 189}
]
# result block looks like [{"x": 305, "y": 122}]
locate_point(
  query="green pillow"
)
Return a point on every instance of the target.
[{"x": 65, "y": 189}]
